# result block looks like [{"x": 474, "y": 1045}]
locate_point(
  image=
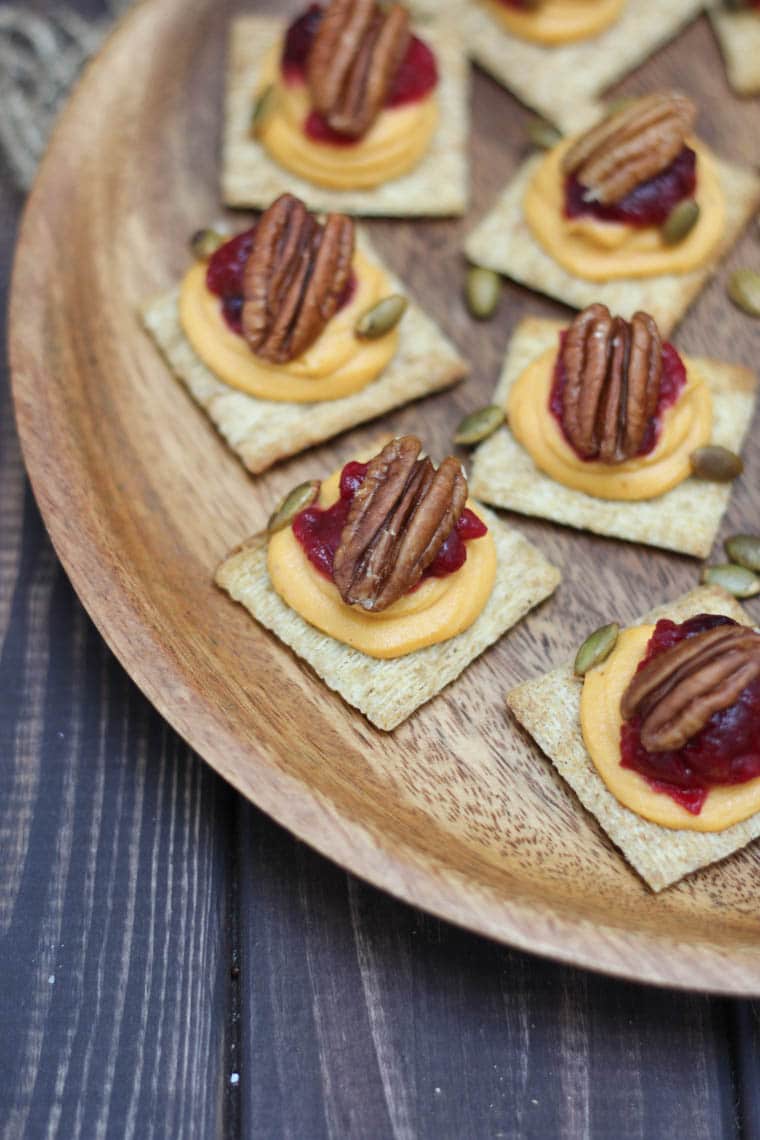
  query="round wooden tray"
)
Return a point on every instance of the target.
[{"x": 457, "y": 811}]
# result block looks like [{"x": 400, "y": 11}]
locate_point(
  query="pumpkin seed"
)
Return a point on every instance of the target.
[
  {"x": 596, "y": 648},
  {"x": 262, "y": 109},
  {"x": 542, "y": 134},
  {"x": 381, "y": 318},
  {"x": 744, "y": 550},
  {"x": 680, "y": 221},
  {"x": 618, "y": 104},
  {"x": 738, "y": 580},
  {"x": 205, "y": 242},
  {"x": 482, "y": 290},
  {"x": 477, "y": 426},
  {"x": 716, "y": 464},
  {"x": 744, "y": 290},
  {"x": 296, "y": 500}
]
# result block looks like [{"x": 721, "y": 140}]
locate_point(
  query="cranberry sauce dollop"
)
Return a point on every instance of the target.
[
  {"x": 726, "y": 751},
  {"x": 416, "y": 77},
  {"x": 224, "y": 278},
  {"x": 648, "y": 204},
  {"x": 673, "y": 380},
  {"x": 318, "y": 531}
]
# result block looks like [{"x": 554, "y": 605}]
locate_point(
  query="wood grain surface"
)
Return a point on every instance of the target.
[{"x": 456, "y": 810}]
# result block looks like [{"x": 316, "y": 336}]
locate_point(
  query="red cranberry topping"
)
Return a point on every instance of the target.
[
  {"x": 224, "y": 278},
  {"x": 725, "y": 752},
  {"x": 649, "y": 204},
  {"x": 416, "y": 77},
  {"x": 298, "y": 40},
  {"x": 673, "y": 380},
  {"x": 318, "y": 531}
]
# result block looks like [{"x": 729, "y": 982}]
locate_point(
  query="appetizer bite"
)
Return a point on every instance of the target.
[
  {"x": 349, "y": 109},
  {"x": 660, "y": 737},
  {"x": 558, "y": 56},
  {"x": 737, "y": 26},
  {"x": 387, "y": 579},
  {"x": 634, "y": 213},
  {"x": 293, "y": 331},
  {"x": 611, "y": 430}
]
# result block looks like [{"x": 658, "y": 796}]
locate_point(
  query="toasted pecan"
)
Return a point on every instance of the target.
[
  {"x": 352, "y": 63},
  {"x": 294, "y": 278},
  {"x": 630, "y": 146},
  {"x": 613, "y": 371},
  {"x": 399, "y": 519},
  {"x": 677, "y": 692}
]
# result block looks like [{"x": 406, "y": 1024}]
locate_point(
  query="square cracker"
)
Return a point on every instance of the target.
[
  {"x": 685, "y": 519},
  {"x": 564, "y": 82},
  {"x": 549, "y": 708},
  {"x": 265, "y": 431},
  {"x": 387, "y": 692},
  {"x": 739, "y": 38},
  {"x": 437, "y": 186},
  {"x": 503, "y": 241}
]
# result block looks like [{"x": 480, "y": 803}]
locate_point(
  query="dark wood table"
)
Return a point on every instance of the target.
[{"x": 176, "y": 965}]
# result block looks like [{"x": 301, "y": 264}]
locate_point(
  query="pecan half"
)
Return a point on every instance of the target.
[
  {"x": 294, "y": 278},
  {"x": 354, "y": 58},
  {"x": 399, "y": 519},
  {"x": 613, "y": 371},
  {"x": 630, "y": 146},
  {"x": 677, "y": 692}
]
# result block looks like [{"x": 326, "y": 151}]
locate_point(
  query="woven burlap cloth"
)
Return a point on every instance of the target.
[{"x": 42, "y": 49}]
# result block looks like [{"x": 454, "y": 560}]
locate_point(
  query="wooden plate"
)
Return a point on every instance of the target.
[{"x": 456, "y": 811}]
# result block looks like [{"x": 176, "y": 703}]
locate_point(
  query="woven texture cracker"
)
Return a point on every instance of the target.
[
  {"x": 739, "y": 38},
  {"x": 387, "y": 692},
  {"x": 550, "y": 710},
  {"x": 685, "y": 519},
  {"x": 264, "y": 431},
  {"x": 564, "y": 82},
  {"x": 503, "y": 241},
  {"x": 437, "y": 186}
]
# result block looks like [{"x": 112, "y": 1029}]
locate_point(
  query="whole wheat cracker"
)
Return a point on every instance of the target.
[
  {"x": 265, "y": 431},
  {"x": 389, "y": 691},
  {"x": 437, "y": 186},
  {"x": 549, "y": 708},
  {"x": 685, "y": 519},
  {"x": 739, "y": 38},
  {"x": 502, "y": 241},
  {"x": 564, "y": 82}
]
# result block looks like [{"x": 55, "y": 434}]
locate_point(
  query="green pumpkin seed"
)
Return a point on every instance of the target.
[
  {"x": 619, "y": 104},
  {"x": 482, "y": 291},
  {"x": 543, "y": 135},
  {"x": 205, "y": 242},
  {"x": 744, "y": 290},
  {"x": 296, "y": 500},
  {"x": 477, "y": 426},
  {"x": 744, "y": 550},
  {"x": 262, "y": 109},
  {"x": 738, "y": 580},
  {"x": 596, "y": 648},
  {"x": 381, "y": 318},
  {"x": 716, "y": 464},
  {"x": 680, "y": 221}
]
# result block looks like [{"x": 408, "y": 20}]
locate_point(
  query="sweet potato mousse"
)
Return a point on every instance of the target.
[
  {"x": 352, "y": 96},
  {"x": 671, "y": 721},
  {"x": 391, "y": 557},
  {"x": 614, "y": 412},
  {"x": 274, "y": 311},
  {"x": 603, "y": 204}
]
